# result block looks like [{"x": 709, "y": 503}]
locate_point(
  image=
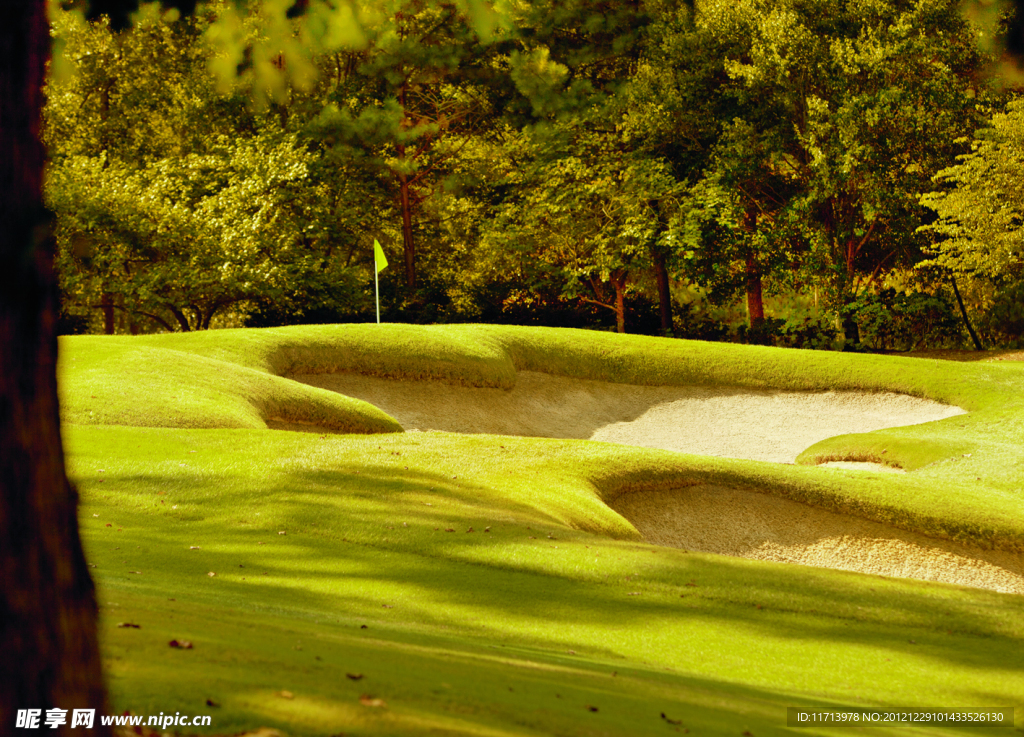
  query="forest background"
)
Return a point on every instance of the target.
[{"x": 803, "y": 173}]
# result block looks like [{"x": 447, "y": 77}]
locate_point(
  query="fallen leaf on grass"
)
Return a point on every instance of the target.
[
  {"x": 354, "y": 676},
  {"x": 214, "y": 704},
  {"x": 211, "y": 574},
  {"x": 367, "y": 700},
  {"x": 181, "y": 645},
  {"x": 591, "y": 708},
  {"x": 671, "y": 721},
  {"x": 129, "y": 624}
]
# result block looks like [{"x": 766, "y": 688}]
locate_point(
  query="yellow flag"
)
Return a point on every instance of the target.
[{"x": 378, "y": 257}]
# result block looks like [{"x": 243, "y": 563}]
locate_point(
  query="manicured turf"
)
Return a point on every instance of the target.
[{"x": 558, "y": 607}]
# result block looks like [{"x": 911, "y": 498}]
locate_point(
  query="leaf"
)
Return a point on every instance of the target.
[
  {"x": 367, "y": 700},
  {"x": 181, "y": 645},
  {"x": 128, "y": 624}
]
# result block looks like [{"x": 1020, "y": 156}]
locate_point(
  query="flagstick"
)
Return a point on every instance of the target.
[{"x": 376, "y": 288}]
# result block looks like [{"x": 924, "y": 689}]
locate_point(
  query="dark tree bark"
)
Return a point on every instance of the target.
[
  {"x": 664, "y": 293},
  {"x": 409, "y": 247},
  {"x": 405, "y": 202},
  {"x": 755, "y": 300},
  {"x": 963, "y": 312},
  {"x": 107, "y": 305},
  {"x": 619, "y": 282},
  {"x": 47, "y": 601}
]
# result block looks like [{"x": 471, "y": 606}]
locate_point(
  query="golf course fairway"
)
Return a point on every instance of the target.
[{"x": 352, "y": 575}]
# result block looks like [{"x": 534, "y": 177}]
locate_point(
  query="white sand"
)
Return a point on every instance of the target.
[
  {"x": 761, "y": 425},
  {"x": 737, "y": 423},
  {"x": 749, "y": 524}
]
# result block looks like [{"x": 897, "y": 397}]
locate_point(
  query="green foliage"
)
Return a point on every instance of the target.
[
  {"x": 585, "y": 217},
  {"x": 568, "y": 151},
  {"x": 980, "y": 226},
  {"x": 833, "y": 118},
  {"x": 196, "y": 234},
  {"x": 164, "y": 216},
  {"x": 1003, "y": 323},
  {"x": 895, "y": 320}
]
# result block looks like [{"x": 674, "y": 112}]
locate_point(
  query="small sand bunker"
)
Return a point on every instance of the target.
[
  {"x": 764, "y": 425},
  {"x": 748, "y": 524}
]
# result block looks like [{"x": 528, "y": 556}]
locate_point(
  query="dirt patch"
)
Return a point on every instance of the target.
[
  {"x": 765, "y": 425},
  {"x": 748, "y": 524}
]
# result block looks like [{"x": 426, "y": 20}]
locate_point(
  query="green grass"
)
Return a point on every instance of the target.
[{"x": 559, "y": 606}]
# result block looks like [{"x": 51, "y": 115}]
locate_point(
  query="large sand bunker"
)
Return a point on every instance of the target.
[{"x": 765, "y": 425}]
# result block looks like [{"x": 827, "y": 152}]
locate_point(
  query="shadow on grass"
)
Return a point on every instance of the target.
[{"x": 514, "y": 583}]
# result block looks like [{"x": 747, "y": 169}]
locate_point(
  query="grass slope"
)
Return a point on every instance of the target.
[{"x": 558, "y": 607}]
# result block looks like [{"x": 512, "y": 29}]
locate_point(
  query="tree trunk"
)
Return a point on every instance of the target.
[
  {"x": 963, "y": 312},
  {"x": 406, "y": 204},
  {"x": 47, "y": 600},
  {"x": 664, "y": 295},
  {"x": 620, "y": 303},
  {"x": 180, "y": 317},
  {"x": 107, "y": 305},
  {"x": 407, "y": 243},
  {"x": 755, "y": 303}
]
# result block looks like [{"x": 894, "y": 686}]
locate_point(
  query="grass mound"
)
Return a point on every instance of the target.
[{"x": 120, "y": 382}]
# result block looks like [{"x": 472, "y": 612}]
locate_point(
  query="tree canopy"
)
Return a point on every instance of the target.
[{"x": 603, "y": 154}]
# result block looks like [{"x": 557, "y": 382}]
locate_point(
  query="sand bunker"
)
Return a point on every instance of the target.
[
  {"x": 763, "y": 425},
  {"x": 749, "y": 524}
]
